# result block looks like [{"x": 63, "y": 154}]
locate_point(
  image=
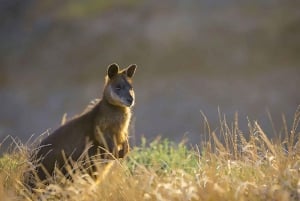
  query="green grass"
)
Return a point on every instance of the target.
[
  {"x": 162, "y": 156},
  {"x": 228, "y": 165}
]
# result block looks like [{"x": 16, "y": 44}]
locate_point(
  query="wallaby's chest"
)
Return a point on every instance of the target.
[{"x": 114, "y": 124}]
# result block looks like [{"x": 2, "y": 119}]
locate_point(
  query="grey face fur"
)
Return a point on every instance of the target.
[{"x": 119, "y": 89}]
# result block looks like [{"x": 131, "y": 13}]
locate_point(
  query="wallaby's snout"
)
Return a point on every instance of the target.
[
  {"x": 128, "y": 98},
  {"x": 130, "y": 101}
]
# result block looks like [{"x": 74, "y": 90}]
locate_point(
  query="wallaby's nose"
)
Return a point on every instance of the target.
[{"x": 129, "y": 100}]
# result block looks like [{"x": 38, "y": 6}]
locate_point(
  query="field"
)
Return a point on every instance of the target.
[{"x": 229, "y": 165}]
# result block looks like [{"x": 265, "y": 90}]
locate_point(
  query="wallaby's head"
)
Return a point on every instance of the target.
[{"x": 118, "y": 89}]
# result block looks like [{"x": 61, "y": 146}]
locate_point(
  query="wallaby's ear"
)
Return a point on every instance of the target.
[
  {"x": 112, "y": 70},
  {"x": 130, "y": 70}
]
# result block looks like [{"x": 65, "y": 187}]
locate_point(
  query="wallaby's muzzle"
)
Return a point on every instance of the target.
[{"x": 130, "y": 101}]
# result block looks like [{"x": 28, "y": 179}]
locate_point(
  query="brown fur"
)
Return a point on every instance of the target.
[{"x": 102, "y": 129}]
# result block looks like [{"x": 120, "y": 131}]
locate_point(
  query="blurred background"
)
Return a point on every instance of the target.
[{"x": 193, "y": 56}]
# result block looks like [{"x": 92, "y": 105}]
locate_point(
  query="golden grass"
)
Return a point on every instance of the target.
[{"x": 229, "y": 165}]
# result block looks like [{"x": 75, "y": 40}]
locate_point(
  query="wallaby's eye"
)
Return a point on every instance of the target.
[{"x": 118, "y": 87}]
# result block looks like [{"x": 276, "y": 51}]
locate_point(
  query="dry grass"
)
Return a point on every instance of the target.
[{"x": 229, "y": 165}]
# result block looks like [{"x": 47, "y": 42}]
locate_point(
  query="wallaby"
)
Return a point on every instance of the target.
[{"x": 100, "y": 130}]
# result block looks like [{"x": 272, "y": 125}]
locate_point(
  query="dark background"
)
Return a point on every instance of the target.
[{"x": 192, "y": 56}]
